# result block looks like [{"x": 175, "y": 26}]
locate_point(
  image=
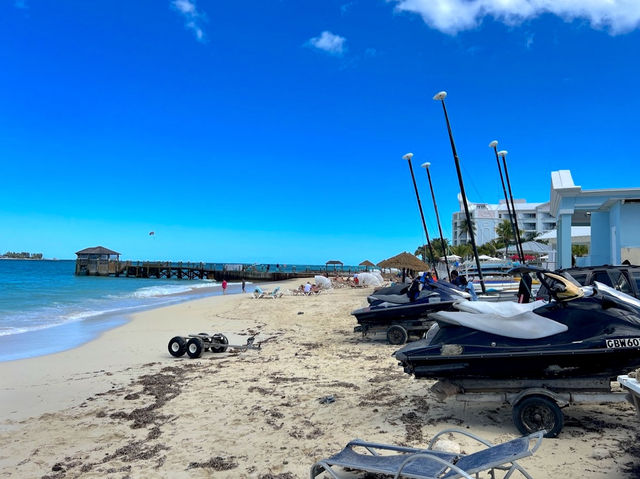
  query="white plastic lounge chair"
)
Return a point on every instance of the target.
[
  {"x": 273, "y": 294},
  {"x": 260, "y": 294},
  {"x": 429, "y": 464}
]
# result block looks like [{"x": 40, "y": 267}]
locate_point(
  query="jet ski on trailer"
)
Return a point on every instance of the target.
[
  {"x": 397, "y": 311},
  {"x": 582, "y": 332}
]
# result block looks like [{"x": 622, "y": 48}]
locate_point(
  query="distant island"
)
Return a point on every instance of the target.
[{"x": 23, "y": 255}]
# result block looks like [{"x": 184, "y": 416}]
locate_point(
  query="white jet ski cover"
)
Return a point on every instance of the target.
[
  {"x": 527, "y": 325},
  {"x": 505, "y": 309}
]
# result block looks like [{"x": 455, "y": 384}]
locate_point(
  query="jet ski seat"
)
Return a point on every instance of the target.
[
  {"x": 505, "y": 309},
  {"x": 527, "y": 325}
]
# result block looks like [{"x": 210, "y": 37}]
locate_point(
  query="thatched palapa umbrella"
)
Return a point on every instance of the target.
[
  {"x": 404, "y": 261},
  {"x": 334, "y": 262},
  {"x": 366, "y": 263}
]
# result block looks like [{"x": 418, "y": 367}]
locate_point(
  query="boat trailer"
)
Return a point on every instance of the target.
[
  {"x": 195, "y": 344},
  {"x": 397, "y": 330},
  {"x": 536, "y": 403}
]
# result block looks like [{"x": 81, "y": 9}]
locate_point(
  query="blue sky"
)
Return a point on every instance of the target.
[{"x": 273, "y": 131}]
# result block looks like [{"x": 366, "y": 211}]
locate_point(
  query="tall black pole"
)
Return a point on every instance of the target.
[
  {"x": 503, "y": 154},
  {"x": 494, "y": 145},
  {"x": 435, "y": 207},
  {"x": 441, "y": 96},
  {"x": 408, "y": 157}
]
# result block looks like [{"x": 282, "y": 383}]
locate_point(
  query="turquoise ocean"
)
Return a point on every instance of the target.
[{"x": 45, "y": 308}]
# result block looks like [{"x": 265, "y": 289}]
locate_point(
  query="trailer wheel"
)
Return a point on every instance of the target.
[
  {"x": 177, "y": 346},
  {"x": 206, "y": 340},
  {"x": 397, "y": 335},
  {"x": 195, "y": 347},
  {"x": 219, "y": 339},
  {"x": 535, "y": 413}
]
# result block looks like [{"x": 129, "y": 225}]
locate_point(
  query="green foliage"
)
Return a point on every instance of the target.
[
  {"x": 490, "y": 248},
  {"x": 23, "y": 255},
  {"x": 466, "y": 228},
  {"x": 462, "y": 250},
  {"x": 436, "y": 244},
  {"x": 579, "y": 249},
  {"x": 505, "y": 233}
]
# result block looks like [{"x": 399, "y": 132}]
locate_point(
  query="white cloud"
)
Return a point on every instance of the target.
[
  {"x": 452, "y": 16},
  {"x": 329, "y": 42},
  {"x": 193, "y": 18}
]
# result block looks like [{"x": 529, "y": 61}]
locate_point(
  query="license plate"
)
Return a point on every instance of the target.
[{"x": 623, "y": 343}]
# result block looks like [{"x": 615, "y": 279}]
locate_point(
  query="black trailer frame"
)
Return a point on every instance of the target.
[
  {"x": 195, "y": 344},
  {"x": 536, "y": 403},
  {"x": 397, "y": 330}
]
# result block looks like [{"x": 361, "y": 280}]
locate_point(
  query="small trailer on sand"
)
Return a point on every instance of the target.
[{"x": 195, "y": 344}]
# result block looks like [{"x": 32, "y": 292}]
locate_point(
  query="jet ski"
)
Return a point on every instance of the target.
[
  {"x": 581, "y": 332},
  {"x": 406, "y": 307}
]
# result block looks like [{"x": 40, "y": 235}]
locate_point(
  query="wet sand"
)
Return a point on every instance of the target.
[{"x": 120, "y": 406}]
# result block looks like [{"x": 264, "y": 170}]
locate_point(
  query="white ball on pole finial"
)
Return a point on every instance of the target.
[
  {"x": 503, "y": 153},
  {"x": 408, "y": 156},
  {"x": 425, "y": 165},
  {"x": 493, "y": 144},
  {"x": 440, "y": 95}
]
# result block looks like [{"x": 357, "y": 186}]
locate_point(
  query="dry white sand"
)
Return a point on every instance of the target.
[{"x": 121, "y": 406}]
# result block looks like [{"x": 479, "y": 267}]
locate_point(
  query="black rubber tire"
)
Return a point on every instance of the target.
[
  {"x": 535, "y": 413},
  {"x": 397, "y": 335},
  {"x": 219, "y": 339},
  {"x": 177, "y": 346},
  {"x": 195, "y": 346}
]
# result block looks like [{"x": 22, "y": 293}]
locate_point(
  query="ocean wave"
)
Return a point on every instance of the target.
[{"x": 60, "y": 314}]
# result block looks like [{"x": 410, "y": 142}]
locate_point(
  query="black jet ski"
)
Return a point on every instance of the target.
[
  {"x": 591, "y": 331},
  {"x": 406, "y": 307}
]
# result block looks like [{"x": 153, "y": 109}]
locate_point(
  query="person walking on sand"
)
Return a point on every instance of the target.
[
  {"x": 243, "y": 285},
  {"x": 224, "y": 286}
]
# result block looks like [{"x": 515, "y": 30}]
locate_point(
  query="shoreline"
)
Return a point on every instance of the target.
[
  {"x": 30, "y": 382},
  {"x": 121, "y": 406},
  {"x": 75, "y": 333}
]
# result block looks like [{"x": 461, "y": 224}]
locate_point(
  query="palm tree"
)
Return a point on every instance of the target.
[
  {"x": 505, "y": 233},
  {"x": 436, "y": 244},
  {"x": 489, "y": 248},
  {"x": 464, "y": 228},
  {"x": 462, "y": 250}
]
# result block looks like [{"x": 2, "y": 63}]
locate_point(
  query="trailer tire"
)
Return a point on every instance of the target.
[
  {"x": 535, "y": 413},
  {"x": 177, "y": 346},
  {"x": 397, "y": 335},
  {"x": 219, "y": 339},
  {"x": 195, "y": 346}
]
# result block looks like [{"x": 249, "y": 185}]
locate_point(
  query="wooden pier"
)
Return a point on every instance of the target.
[
  {"x": 168, "y": 270},
  {"x": 101, "y": 261}
]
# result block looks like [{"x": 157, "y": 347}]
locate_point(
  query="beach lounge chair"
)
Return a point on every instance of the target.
[
  {"x": 258, "y": 293},
  {"x": 429, "y": 464},
  {"x": 273, "y": 294}
]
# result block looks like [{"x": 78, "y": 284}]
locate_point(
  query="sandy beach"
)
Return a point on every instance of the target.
[{"x": 120, "y": 406}]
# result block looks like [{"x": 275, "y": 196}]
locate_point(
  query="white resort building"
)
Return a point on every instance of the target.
[{"x": 533, "y": 219}]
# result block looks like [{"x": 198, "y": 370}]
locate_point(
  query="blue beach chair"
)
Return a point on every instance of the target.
[{"x": 429, "y": 464}]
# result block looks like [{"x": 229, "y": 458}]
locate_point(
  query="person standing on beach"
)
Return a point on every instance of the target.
[
  {"x": 224, "y": 286},
  {"x": 243, "y": 285}
]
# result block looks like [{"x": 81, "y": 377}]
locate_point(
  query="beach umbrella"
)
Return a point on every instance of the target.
[
  {"x": 404, "y": 261},
  {"x": 366, "y": 263}
]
